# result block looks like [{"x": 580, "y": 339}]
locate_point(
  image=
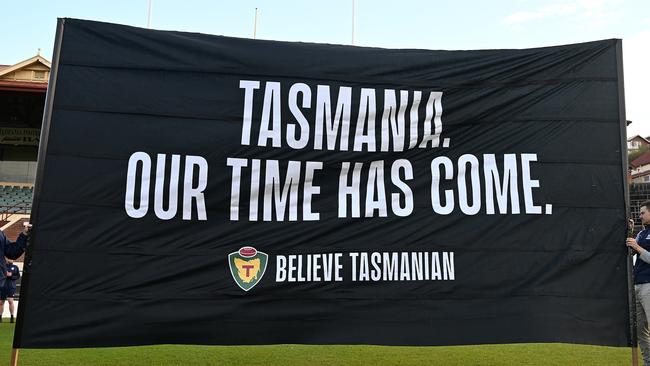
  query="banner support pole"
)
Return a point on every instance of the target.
[
  {"x": 14, "y": 357},
  {"x": 631, "y": 296},
  {"x": 38, "y": 184}
]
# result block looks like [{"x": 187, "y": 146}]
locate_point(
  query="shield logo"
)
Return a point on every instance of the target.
[{"x": 247, "y": 267}]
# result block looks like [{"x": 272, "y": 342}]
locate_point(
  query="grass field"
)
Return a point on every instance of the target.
[{"x": 512, "y": 354}]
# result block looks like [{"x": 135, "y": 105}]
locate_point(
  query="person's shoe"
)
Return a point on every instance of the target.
[{"x": 12, "y": 319}]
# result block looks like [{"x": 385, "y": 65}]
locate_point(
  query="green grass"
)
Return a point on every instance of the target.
[{"x": 295, "y": 355}]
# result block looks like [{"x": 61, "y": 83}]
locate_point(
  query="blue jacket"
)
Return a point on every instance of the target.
[
  {"x": 641, "y": 268},
  {"x": 11, "y": 251}
]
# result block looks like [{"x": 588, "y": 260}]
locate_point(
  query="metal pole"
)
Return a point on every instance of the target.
[
  {"x": 353, "y": 16},
  {"x": 255, "y": 25},
  {"x": 149, "y": 14},
  {"x": 40, "y": 172},
  {"x": 631, "y": 296},
  {"x": 14, "y": 357},
  {"x": 631, "y": 299}
]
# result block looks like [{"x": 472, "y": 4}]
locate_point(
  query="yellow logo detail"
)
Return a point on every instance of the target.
[{"x": 247, "y": 270}]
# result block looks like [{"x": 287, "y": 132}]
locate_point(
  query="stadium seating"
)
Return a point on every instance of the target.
[{"x": 15, "y": 199}]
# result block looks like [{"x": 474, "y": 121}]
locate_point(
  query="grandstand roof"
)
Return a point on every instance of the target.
[{"x": 29, "y": 75}]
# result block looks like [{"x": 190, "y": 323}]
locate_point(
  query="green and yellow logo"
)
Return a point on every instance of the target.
[{"x": 247, "y": 267}]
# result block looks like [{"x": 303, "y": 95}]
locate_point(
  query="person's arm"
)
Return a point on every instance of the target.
[
  {"x": 644, "y": 255},
  {"x": 15, "y": 250}
]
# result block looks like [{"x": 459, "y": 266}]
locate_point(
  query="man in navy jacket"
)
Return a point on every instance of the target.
[
  {"x": 641, "y": 245},
  {"x": 9, "y": 290},
  {"x": 12, "y": 251}
]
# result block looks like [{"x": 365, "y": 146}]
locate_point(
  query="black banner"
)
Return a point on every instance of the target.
[{"x": 210, "y": 190}]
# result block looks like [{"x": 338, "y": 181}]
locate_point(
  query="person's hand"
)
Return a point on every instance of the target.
[
  {"x": 27, "y": 228},
  {"x": 9, "y": 274},
  {"x": 630, "y": 242}
]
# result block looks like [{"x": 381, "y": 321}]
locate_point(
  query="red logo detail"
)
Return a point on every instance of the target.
[
  {"x": 248, "y": 268},
  {"x": 247, "y": 252}
]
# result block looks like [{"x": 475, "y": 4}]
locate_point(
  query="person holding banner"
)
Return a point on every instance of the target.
[
  {"x": 641, "y": 245},
  {"x": 9, "y": 290}
]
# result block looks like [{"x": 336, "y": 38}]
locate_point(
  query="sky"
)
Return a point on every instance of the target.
[{"x": 433, "y": 24}]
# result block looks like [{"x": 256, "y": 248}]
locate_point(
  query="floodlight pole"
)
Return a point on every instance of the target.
[
  {"x": 255, "y": 25},
  {"x": 353, "y": 16},
  {"x": 149, "y": 14}
]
